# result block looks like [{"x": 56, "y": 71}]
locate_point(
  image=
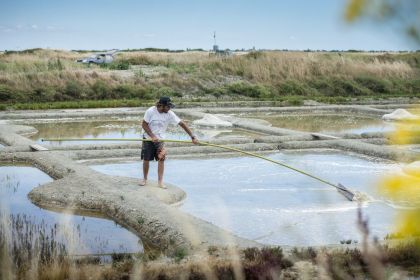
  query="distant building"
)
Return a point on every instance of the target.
[{"x": 217, "y": 51}]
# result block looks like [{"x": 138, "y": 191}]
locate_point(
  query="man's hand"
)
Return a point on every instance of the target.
[
  {"x": 146, "y": 128},
  {"x": 188, "y": 130}
]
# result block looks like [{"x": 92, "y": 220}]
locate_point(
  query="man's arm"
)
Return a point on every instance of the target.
[
  {"x": 146, "y": 128},
  {"x": 188, "y": 130}
]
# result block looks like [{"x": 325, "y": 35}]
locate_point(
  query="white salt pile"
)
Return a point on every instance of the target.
[
  {"x": 213, "y": 121},
  {"x": 399, "y": 114}
]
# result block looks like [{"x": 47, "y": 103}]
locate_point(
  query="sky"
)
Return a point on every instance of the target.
[{"x": 182, "y": 24}]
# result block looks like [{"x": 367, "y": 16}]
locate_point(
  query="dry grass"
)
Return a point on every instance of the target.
[
  {"x": 30, "y": 251},
  {"x": 269, "y": 66},
  {"x": 48, "y": 75}
]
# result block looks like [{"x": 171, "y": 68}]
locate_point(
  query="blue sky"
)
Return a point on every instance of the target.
[{"x": 181, "y": 24}]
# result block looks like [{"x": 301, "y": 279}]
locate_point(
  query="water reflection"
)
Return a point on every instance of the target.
[
  {"x": 274, "y": 205},
  {"x": 82, "y": 235},
  {"x": 326, "y": 123},
  {"x": 102, "y": 128}
]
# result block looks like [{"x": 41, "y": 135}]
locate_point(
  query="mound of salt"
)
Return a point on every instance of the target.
[
  {"x": 212, "y": 120},
  {"x": 399, "y": 114}
]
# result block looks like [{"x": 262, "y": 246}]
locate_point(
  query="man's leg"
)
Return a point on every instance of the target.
[
  {"x": 161, "y": 168},
  {"x": 146, "y": 154},
  {"x": 161, "y": 155},
  {"x": 145, "y": 172}
]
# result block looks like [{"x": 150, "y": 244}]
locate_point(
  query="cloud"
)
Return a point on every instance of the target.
[
  {"x": 28, "y": 28},
  {"x": 147, "y": 35},
  {"x": 5, "y": 29}
]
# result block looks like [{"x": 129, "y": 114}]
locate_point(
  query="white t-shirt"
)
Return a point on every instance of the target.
[{"x": 158, "y": 122}]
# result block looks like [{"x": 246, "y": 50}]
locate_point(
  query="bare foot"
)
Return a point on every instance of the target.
[
  {"x": 143, "y": 182},
  {"x": 161, "y": 185}
]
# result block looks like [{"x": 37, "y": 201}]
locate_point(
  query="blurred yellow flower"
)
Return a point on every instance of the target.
[
  {"x": 354, "y": 9},
  {"x": 408, "y": 225},
  {"x": 404, "y": 188},
  {"x": 407, "y": 132}
]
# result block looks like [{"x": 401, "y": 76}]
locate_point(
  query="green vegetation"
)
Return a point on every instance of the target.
[
  {"x": 79, "y": 104},
  {"x": 40, "y": 76},
  {"x": 121, "y": 65},
  {"x": 180, "y": 254}
]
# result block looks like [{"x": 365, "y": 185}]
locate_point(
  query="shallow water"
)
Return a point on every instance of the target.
[
  {"x": 89, "y": 235},
  {"x": 271, "y": 204},
  {"x": 325, "y": 123},
  {"x": 102, "y": 128}
]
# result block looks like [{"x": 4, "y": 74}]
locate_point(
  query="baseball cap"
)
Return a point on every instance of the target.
[{"x": 166, "y": 101}]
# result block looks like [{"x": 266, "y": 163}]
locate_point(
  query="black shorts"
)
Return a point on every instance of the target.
[{"x": 150, "y": 150}]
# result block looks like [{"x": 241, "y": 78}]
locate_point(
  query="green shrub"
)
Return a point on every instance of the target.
[
  {"x": 27, "y": 51},
  {"x": 376, "y": 85},
  {"x": 180, "y": 253},
  {"x": 344, "y": 87},
  {"x": 292, "y": 87},
  {"x": 333, "y": 99},
  {"x": 43, "y": 95},
  {"x": 147, "y": 93},
  {"x": 249, "y": 90},
  {"x": 101, "y": 90},
  {"x": 126, "y": 91},
  {"x": 6, "y": 93},
  {"x": 340, "y": 86},
  {"x": 414, "y": 86},
  {"x": 216, "y": 92},
  {"x": 322, "y": 86},
  {"x": 120, "y": 65},
  {"x": 295, "y": 101},
  {"x": 74, "y": 89}
]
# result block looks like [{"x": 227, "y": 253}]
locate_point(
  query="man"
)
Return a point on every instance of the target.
[{"x": 155, "y": 121}]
